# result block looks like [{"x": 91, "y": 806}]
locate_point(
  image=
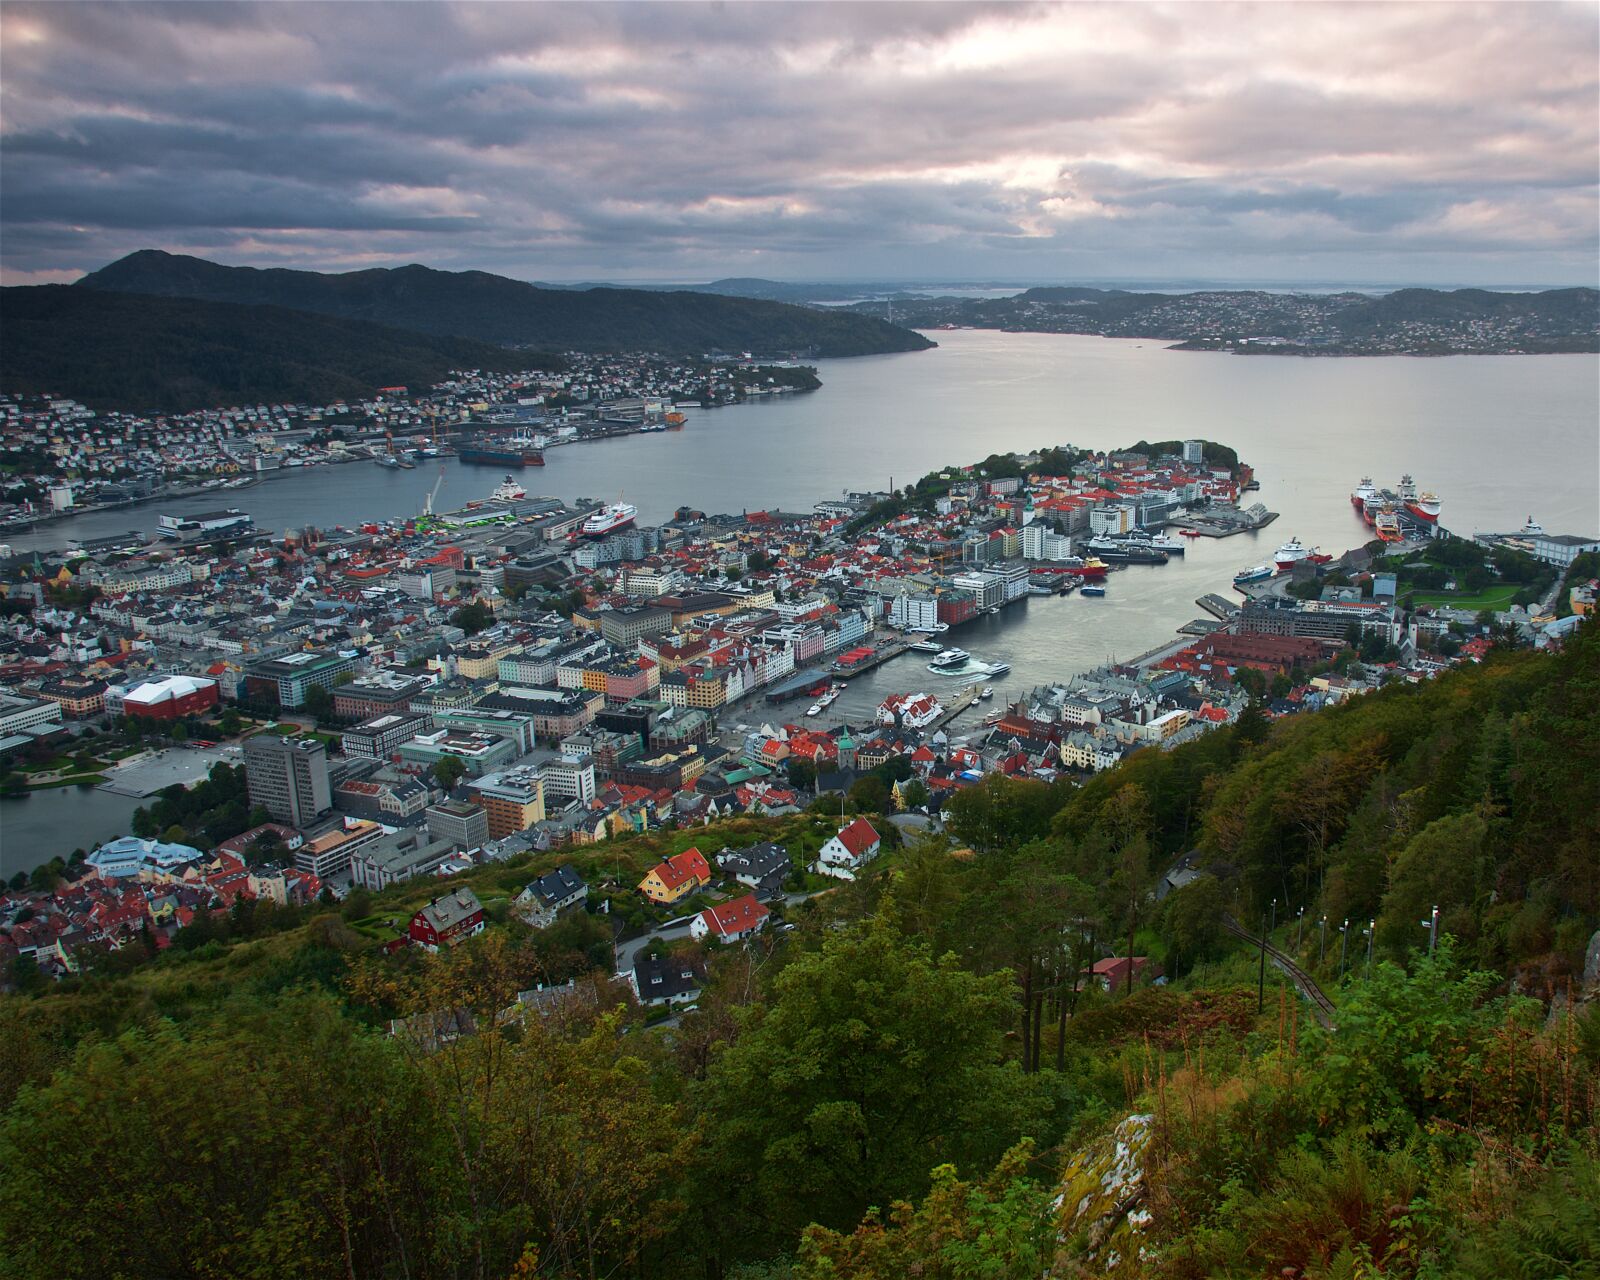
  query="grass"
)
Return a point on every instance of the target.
[{"x": 1496, "y": 598}]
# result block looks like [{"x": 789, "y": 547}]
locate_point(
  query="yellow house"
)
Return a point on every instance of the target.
[{"x": 676, "y": 878}]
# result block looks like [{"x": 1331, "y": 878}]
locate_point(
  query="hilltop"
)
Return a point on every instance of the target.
[
  {"x": 152, "y": 354},
  {"x": 491, "y": 308}
]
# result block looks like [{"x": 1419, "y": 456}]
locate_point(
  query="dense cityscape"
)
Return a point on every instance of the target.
[{"x": 695, "y": 641}]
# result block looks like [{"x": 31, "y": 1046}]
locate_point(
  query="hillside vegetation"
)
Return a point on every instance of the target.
[
  {"x": 143, "y": 353},
  {"x": 912, "y": 1082},
  {"x": 490, "y": 308}
]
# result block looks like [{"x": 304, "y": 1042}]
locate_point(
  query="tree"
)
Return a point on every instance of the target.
[
  {"x": 802, "y": 774},
  {"x": 874, "y": 1063},
  {"x": 915, "y": 794},
  {"x": 869, "y": 795},
  {"x": 1192, "y": 923},
  {"x": 473, "y": 618},
  {"x": 318, "y": 701},
  {"x": 449, "y": 770}
]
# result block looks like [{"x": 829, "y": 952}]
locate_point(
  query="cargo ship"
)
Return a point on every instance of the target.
[
  {"x": 1260, "y": 573},
  {"x": 1372, "y": 502},
  {"x": 1091, "y": 570},
  {"x": 1294, "y": 551},
  {"x": 609, "y": 520},
  {"x": 503, "y": 453}
]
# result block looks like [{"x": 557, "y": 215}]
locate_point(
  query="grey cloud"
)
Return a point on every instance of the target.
[{"x": 563, "y": 141}]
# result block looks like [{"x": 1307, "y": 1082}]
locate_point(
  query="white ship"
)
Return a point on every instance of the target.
[{"x": 609, "y": 520}]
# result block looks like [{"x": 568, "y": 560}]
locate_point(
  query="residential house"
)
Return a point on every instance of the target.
[
  {"x": 733, "y": 921},
  {"x": 447, "y": 920},
  {"x": 763, "y": 867},
  {"x": 854, "y": 846},
  {"x": 676, "y": 878},
  {"x": 549, "y": 897}
]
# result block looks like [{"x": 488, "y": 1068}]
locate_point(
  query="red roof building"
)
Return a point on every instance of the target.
[{"x": 731, "y": 921}]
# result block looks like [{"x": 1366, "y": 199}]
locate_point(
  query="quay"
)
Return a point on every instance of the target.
[
  {"x": 1218, "y": 606},
  {"x": 872, "y": 663},
  {"x": 963, "y": 700}
]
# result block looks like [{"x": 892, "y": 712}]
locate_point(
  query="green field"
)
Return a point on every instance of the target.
[{"x": 1496, "y": 598}]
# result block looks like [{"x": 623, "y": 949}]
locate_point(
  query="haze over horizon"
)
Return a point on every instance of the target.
[{"x": 1378, "y": 145}]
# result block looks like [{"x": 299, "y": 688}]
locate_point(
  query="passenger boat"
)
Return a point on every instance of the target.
[{"x": 1092, "y": 589}]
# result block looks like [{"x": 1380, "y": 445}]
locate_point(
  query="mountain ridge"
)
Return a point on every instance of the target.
[{"x": 491, "y": 308}]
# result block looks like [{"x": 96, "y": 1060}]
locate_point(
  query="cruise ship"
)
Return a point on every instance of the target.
[{"x": 609, "y": 520}]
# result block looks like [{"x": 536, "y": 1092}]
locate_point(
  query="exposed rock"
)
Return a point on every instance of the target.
[
  {"x": 1590, "y": 990},
  {"x": 1100, "y": 1210}
]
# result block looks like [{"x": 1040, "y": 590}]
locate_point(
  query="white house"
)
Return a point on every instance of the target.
[
  {"x": 848, "y": 851},
  {"x": 732, "y": 921}
]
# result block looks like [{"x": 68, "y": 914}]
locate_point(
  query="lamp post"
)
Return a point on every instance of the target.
[
  {"x": 1322, "y": 944},
  {"x": 1372, "y": 930},
  {"x": 1274, "y": 915},
  {"x": 1299, "y": 927},
  {"x": 1433, "y": 928},
  {"x": 1344, "y": 930}
]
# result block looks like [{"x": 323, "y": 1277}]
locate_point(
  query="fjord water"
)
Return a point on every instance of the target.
[{"x": 1499, "y": 438}]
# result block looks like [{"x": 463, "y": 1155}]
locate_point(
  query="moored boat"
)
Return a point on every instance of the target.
[{"x": 1258, "y": 573}]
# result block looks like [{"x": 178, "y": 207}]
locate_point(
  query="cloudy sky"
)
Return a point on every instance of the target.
[{"x": 1369, "y": 143}]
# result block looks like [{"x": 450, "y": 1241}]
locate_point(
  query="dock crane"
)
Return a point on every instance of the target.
[{"x": 427, "y": 507}]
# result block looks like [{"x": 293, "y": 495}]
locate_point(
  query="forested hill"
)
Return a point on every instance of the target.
[
  {"x": 150, "y": 354},
  {"x": 919, "y": 1077},
  {"x": 490, "y": 308}
]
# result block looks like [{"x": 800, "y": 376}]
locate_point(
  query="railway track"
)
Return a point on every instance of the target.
[{"x": 1321, "y": 1006}]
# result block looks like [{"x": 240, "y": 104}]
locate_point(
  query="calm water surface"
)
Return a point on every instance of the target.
[{"x": 1499, "y": 438}]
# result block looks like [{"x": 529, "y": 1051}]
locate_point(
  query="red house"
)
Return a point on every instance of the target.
[{"x": 447, "y": 920}]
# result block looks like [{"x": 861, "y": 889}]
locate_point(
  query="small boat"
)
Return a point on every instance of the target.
[
  {"x": 986, "y": 693},
  {"x": 1191, "y": 533},
  {"x": 992, "y": 609},
  {"x": 815, "y": 709},
  {"x": 1091, "y": 589},
  {"x": 998, "y": 669}
]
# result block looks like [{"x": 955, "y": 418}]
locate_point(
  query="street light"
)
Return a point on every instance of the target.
[
  {"x": 1432, "y": 928},
  {"x": 1299, "y": 927},
  {"x": 1274, "y": 915},
  {"x": 1322, "y": 946},
  {"x": 1343, "y": 930},
  {"x": 1372, "y": 930}
]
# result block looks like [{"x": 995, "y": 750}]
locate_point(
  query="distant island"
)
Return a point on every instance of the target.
[
  {"x": 1255, "y": 322},
  {"x": 490, "y": 308}
]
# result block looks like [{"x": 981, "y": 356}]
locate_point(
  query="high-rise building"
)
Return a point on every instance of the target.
[
  {"x": 288, "y": 777},
  {"x": 1194, "y": 452},
  {"x": 513, "y": 800}
]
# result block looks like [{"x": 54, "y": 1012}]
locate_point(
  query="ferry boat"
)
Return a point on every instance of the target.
[
  {"x": 609, "y": 520},
  {"x": 1260, "y": 573},
  {"x": 1091, "y": 589},
  {"x": 508, "y": 490},
  {"x": 1162, "y": 542},
  {"x": 938, "y": 628},
  {"x": 997, "y": 669},
  {"x": 928, "y": 646},
  {"x": 950, "y": 662}
]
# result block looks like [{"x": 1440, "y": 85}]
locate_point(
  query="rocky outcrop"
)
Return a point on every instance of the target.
[{"x": 1100, "y": 1211}]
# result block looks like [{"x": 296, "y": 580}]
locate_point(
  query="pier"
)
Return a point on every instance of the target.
[
  {"x": 1218, "y": 606},
  {"x": 879, "y": 657},
  {"x": 963, "y": 700}
]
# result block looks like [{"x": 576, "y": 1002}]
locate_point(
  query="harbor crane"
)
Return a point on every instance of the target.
[{"x": 427, "y": 507}]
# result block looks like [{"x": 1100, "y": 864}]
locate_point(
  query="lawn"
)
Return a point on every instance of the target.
[{"x": 1497, "y": 598}]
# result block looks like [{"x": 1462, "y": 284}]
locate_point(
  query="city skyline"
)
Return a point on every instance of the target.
[{"x": 1372, "y": 144}]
